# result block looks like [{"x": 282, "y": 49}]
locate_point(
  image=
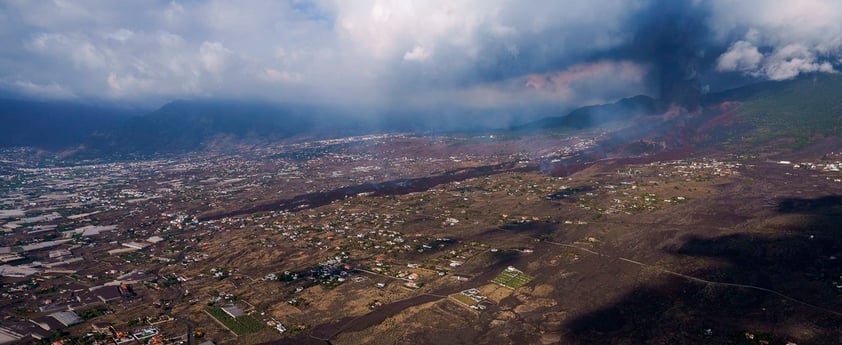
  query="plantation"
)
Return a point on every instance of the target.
[
  {"x": 512, "y": 278},
  {"x": 241, "y": 325}
]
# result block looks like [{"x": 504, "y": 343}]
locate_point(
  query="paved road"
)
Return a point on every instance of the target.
[
  {"x": 191, "y": 338},
  {"x": 191, "y": 327}
]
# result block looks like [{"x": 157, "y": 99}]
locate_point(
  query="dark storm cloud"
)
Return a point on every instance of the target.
[{"x": 482, "y": 54}]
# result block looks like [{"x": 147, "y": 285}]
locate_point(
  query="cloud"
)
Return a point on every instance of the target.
[
  {"x": 51, "y": 90},
  {"x": 782, "y": 38},
  {"x": 792, "y": 60},
  {"x": 741, "y": 56},
  {"x": 561, "y": 80},
  {"x": 783, "y": 63},
  {"x": 273, "y": 75},
  {"x": 416, "y": 54},
  {"x": 391, "y": 54},
  {"x": 214, "y": 56},
  {"x": 121, "y": 35},
  {"x": 125, "y": 84},
  {"x": 612, "y": 79}
]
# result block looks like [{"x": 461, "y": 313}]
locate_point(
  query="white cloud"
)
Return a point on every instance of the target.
[
  {"x": 804, "y": 36},
  {"x": 78, "y": 48},
  {"x": 121, "y": 35},
  {"x": 121, "y": 85},
  {"x": 87, "y": 55},
  {"x": 46, "y": 41},
  {"x": 274, "y": 75},
  {"x": 384, "y": 29},
  {"x": 214, "y": 56},
  {"x": 785, "y": 62},
  {"x": 345, "y": 51},
  {"x": 173, "y": 12},
  {"x": 741, "y": 56},
  {"x": 416, "y": 54},
  {"x": 357, "y": 52},
  {"x": 50, "y": 90},
  {"x": 170, "y": 40},
  {"x": 792, "y": 60}
]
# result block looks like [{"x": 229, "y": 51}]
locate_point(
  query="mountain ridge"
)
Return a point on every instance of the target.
[
  {"x": 56, "y": 125},
  {"x": 800, "y": 107}
]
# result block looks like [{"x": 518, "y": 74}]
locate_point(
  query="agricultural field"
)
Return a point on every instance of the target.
[
  {"x": 512, "y": 278},
  {"x": 244, "y": 324},
  {"x": 463, "y": 299}
]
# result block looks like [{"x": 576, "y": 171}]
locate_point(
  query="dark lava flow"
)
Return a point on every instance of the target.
[
  {"x": 406, "y": 186},
  {"x": 395, "y": 187}
]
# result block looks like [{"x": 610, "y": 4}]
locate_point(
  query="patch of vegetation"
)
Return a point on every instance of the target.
[
  {"x": 463, "y": 299},
  {"x": 92, "y": 313},
  {"x": 244, "y": 324},
  {"x": 800, "y": 109},
  {"x": 512, "y": 278}
]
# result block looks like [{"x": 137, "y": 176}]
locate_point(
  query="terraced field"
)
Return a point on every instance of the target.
[{"x": 512, "y": 278}]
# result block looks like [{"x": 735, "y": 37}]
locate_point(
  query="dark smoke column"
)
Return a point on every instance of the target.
[
  {"x": 680, "y": 85},
  {"x": 672, "y": 37}
]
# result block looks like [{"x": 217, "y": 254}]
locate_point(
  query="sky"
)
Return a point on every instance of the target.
[{"x": 471, "y": 54}]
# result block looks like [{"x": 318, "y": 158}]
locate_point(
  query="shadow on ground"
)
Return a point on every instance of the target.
[{"x": 801, "y": 260}]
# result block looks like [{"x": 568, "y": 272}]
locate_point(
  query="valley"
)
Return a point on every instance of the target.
[{"x": 376, "y": 239}]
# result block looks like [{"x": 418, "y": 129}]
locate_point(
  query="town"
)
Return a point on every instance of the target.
[{"x": 208, "y": 248}]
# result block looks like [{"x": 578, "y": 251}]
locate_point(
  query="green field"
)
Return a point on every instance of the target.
[
  {"x": 463, "y": 299},
  {"x": 801, "y": 108},
  {"x": 241, "y": 325},
  {"x": 512, "y": 279}
]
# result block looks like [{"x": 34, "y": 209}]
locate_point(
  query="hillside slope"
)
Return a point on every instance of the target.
[
  {"x": 596, "y": 115},
  {"x": 55, "y": 125}
]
